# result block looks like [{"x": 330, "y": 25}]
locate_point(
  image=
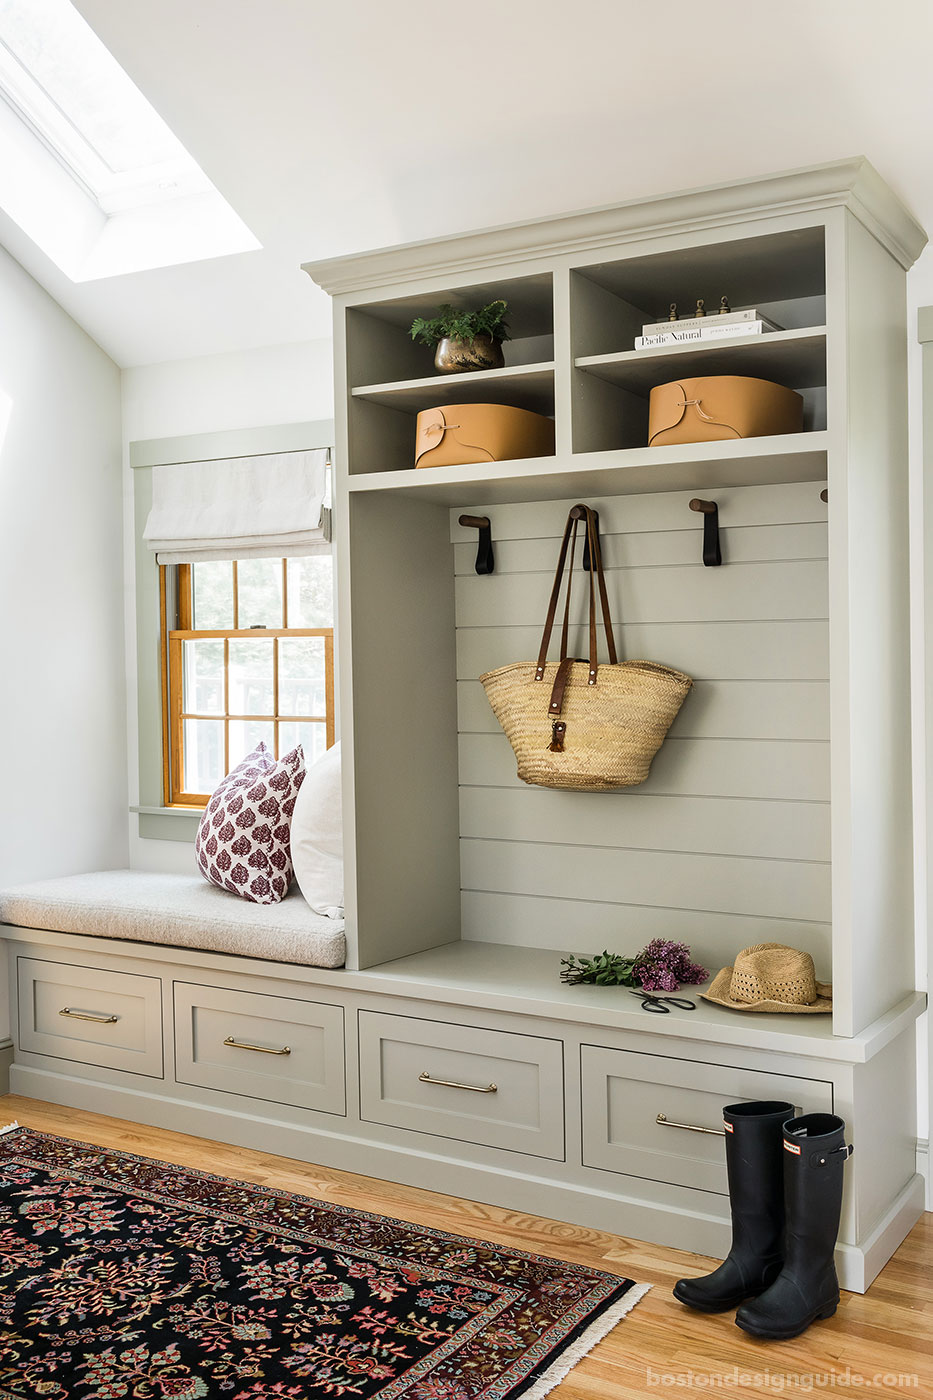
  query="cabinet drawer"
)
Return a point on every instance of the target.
[
  {"x": 112, "y": 1019},
  {"x": 625, "y": 1090},
  {"x": 462, "y": 1082},
  {"x": 264, "y": 1047}
]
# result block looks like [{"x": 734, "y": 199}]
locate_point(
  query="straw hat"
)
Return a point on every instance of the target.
[{"x": 770, "y": 977}]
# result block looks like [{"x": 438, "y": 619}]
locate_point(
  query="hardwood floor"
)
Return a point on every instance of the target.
[{"x": 877, "y": 1344}]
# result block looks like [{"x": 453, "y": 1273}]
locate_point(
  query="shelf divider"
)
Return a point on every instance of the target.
[
  {"x": 524, "y": 386},
  {"x": 684, "y": 467},
  {"x": 794, "y": 358}
]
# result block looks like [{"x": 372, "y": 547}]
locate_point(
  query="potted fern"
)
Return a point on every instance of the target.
[{"x": 465, "y": 340}]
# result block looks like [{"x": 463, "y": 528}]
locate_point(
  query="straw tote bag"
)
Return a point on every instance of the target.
[{"x": 578, "y": 724}]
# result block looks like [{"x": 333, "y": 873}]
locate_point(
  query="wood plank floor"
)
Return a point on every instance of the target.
[{"x": 877, "y": 1344}]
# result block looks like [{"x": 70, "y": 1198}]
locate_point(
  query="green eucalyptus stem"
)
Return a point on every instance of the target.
[{"x": 605, "y": 969}]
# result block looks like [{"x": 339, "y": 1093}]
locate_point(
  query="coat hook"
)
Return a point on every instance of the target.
[
  {"x": 577, "y": 514},
  {"x": 824, "y": 494},
  {"x": 712, "y": 555},
  {"x": 485, "y": 558}
]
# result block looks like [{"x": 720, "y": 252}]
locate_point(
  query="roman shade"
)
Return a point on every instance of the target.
[{"x": 269, "y": 506}]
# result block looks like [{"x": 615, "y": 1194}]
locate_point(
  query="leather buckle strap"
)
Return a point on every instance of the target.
[{"x": 819, "y": 1159}]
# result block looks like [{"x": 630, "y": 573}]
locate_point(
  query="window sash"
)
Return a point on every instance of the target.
[{"x": 175, "y": 794}]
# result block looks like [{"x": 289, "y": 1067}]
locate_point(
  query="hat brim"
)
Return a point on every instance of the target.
[{"x": 718, "y": 991}]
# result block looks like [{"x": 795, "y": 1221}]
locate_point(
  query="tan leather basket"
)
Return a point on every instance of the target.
[
  {"x": 480, "y": 432},
  {"x": 721, "y": 406}
]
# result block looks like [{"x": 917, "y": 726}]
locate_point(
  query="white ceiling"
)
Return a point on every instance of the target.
[{"x": 336, "y": 127}]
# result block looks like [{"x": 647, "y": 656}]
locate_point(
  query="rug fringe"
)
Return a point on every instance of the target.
[
  {"x": 600, "y": 1329},
  {"x": 9, "y": 1128}
]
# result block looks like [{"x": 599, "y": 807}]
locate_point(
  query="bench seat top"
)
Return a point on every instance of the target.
[{"x": 181, "y": 911}]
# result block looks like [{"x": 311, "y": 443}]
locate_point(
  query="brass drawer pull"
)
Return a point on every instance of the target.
[
  {"x": 666, "y": 1122},
  {"x": 452, "y": 1084},
  {"x": 263, "y": 1049},
  {"x": 86, "y": 1016}
]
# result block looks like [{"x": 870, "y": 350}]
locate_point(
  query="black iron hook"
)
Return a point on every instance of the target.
[
  {"x": 485, "y": 558},
  {"x": 712, "y": 554}
]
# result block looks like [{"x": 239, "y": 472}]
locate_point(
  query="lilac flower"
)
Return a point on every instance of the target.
[{"x": 663, "y": 965}]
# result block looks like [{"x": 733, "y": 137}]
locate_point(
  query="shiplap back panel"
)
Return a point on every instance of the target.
[{"x": 728, "y": 842}]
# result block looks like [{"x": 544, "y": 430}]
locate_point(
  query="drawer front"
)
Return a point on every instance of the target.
[
  {"x": 263, "y": 1047},
  {"x": 488, "y": 1087},
  {"x": 112, "y": 1019},
  {"x": 624, "y": 1092}
]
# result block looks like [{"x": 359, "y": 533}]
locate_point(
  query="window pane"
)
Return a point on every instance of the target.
[
  {"x": 212, "y": 596},
  {"x": 251, "y": 691},
  {"x": 245, "y": 734},
  {"x": 310, "y": 734},
  {"x": 203, "y": 677},
  {"x": 259, "y": 591},
  {"x": 301, "y": 676},
  {"x": 311, "y": 591},
  {"x": 204, "y": 754}
]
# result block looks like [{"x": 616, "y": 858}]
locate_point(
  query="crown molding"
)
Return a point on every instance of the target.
[{"x": 853, "y": 184}]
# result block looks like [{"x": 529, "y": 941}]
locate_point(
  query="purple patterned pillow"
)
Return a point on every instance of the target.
[{"x": 242, "y": 843}]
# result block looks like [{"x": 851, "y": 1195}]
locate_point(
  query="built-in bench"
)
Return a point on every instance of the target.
[{"x": 180, "y": 911}]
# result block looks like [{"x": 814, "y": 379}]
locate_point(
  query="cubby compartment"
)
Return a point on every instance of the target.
[
  {"x": 728, "y": 842},
  {"x": 782, "y": 275},
  {"x": 391, "y": 379}
]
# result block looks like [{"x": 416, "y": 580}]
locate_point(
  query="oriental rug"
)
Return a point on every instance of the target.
[{"x": 124, "y": 1278}]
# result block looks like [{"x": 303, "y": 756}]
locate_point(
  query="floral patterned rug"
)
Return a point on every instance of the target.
[{"x": 123, "y": 1278}]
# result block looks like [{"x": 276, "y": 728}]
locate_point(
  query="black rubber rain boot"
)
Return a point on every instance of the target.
[
  {"x": 807, "y": 1288},
  {"x": 754, "y": 1162}
]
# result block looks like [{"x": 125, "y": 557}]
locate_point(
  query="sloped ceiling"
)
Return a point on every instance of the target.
[{"x": 333, "y": 128}]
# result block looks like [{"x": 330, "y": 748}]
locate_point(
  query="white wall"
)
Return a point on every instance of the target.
[
  {"x": 248, "y": 389},
  {"x": 62, "y": 713},
  {"x": 920, "y": 293}
]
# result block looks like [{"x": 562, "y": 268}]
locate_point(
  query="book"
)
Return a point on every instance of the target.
[
  {"x": 689, "y": 323},
  {"x": 676, "y": 336}
]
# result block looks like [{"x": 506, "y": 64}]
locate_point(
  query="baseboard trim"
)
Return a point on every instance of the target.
[
  {"x": 580, "y": 1205},
  {"x": 890, "y": 1232},
  {"x": 923, "y": 1169},
  {"x": 6, "y": 1064}
]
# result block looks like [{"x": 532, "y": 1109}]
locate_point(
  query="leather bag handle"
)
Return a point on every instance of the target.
[{"x": 596, "y": 580}]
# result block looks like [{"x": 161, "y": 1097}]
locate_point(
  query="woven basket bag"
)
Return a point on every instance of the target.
[{"x": 578, "y": 724}]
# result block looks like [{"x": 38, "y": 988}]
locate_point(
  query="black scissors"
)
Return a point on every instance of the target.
[{"x": 651, "y": 1002}]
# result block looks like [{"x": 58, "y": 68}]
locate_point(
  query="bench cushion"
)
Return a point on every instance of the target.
[{"x": 180, "y": 911}]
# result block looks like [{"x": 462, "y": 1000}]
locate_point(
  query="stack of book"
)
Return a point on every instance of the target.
[{"x": 704, "y": 328}]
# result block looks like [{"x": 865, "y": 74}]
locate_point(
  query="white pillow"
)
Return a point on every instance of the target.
[{"x": 317, "y": 836}]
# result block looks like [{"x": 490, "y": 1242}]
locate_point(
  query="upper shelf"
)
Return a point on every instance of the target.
[
  {"x": 689, "y": 466},
  {"x": 796, "y": 359},
  {"x": 524, "y": 386}
]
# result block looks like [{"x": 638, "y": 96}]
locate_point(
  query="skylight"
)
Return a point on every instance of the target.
[{"x": 73, "y": 97}]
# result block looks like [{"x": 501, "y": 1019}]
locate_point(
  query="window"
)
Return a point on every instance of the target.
[
  {"x": 250, "y": 658},
  {"x": 88, "y": 168}
]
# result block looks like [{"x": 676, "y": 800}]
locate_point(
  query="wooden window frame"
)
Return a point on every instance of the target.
[{"x": 172, "y": 648}]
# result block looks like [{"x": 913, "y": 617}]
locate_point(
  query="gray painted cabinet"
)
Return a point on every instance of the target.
[
  {"x": 778, "y": 809},
  {"x": 463, "y": 1082}
]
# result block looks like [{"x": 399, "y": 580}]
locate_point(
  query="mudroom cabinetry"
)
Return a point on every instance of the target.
[
  {"x": 448, "y": 1053},
  {"x": 779, "y": 807}
]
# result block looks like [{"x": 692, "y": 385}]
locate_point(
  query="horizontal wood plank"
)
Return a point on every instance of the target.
[
  {"x": 769, "y": 591},
  {"x": 588, "y": 926},
  {"x": 721, "y": 884},
  {"x": 773, "y": 504},
  {"x": 740, "y": 544},
  {"x": 716, "y": 710},
  {"x": 753, "y": 768},
  {"x": 720, "y": 651},
  {"x": 723, "y": 826}
]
